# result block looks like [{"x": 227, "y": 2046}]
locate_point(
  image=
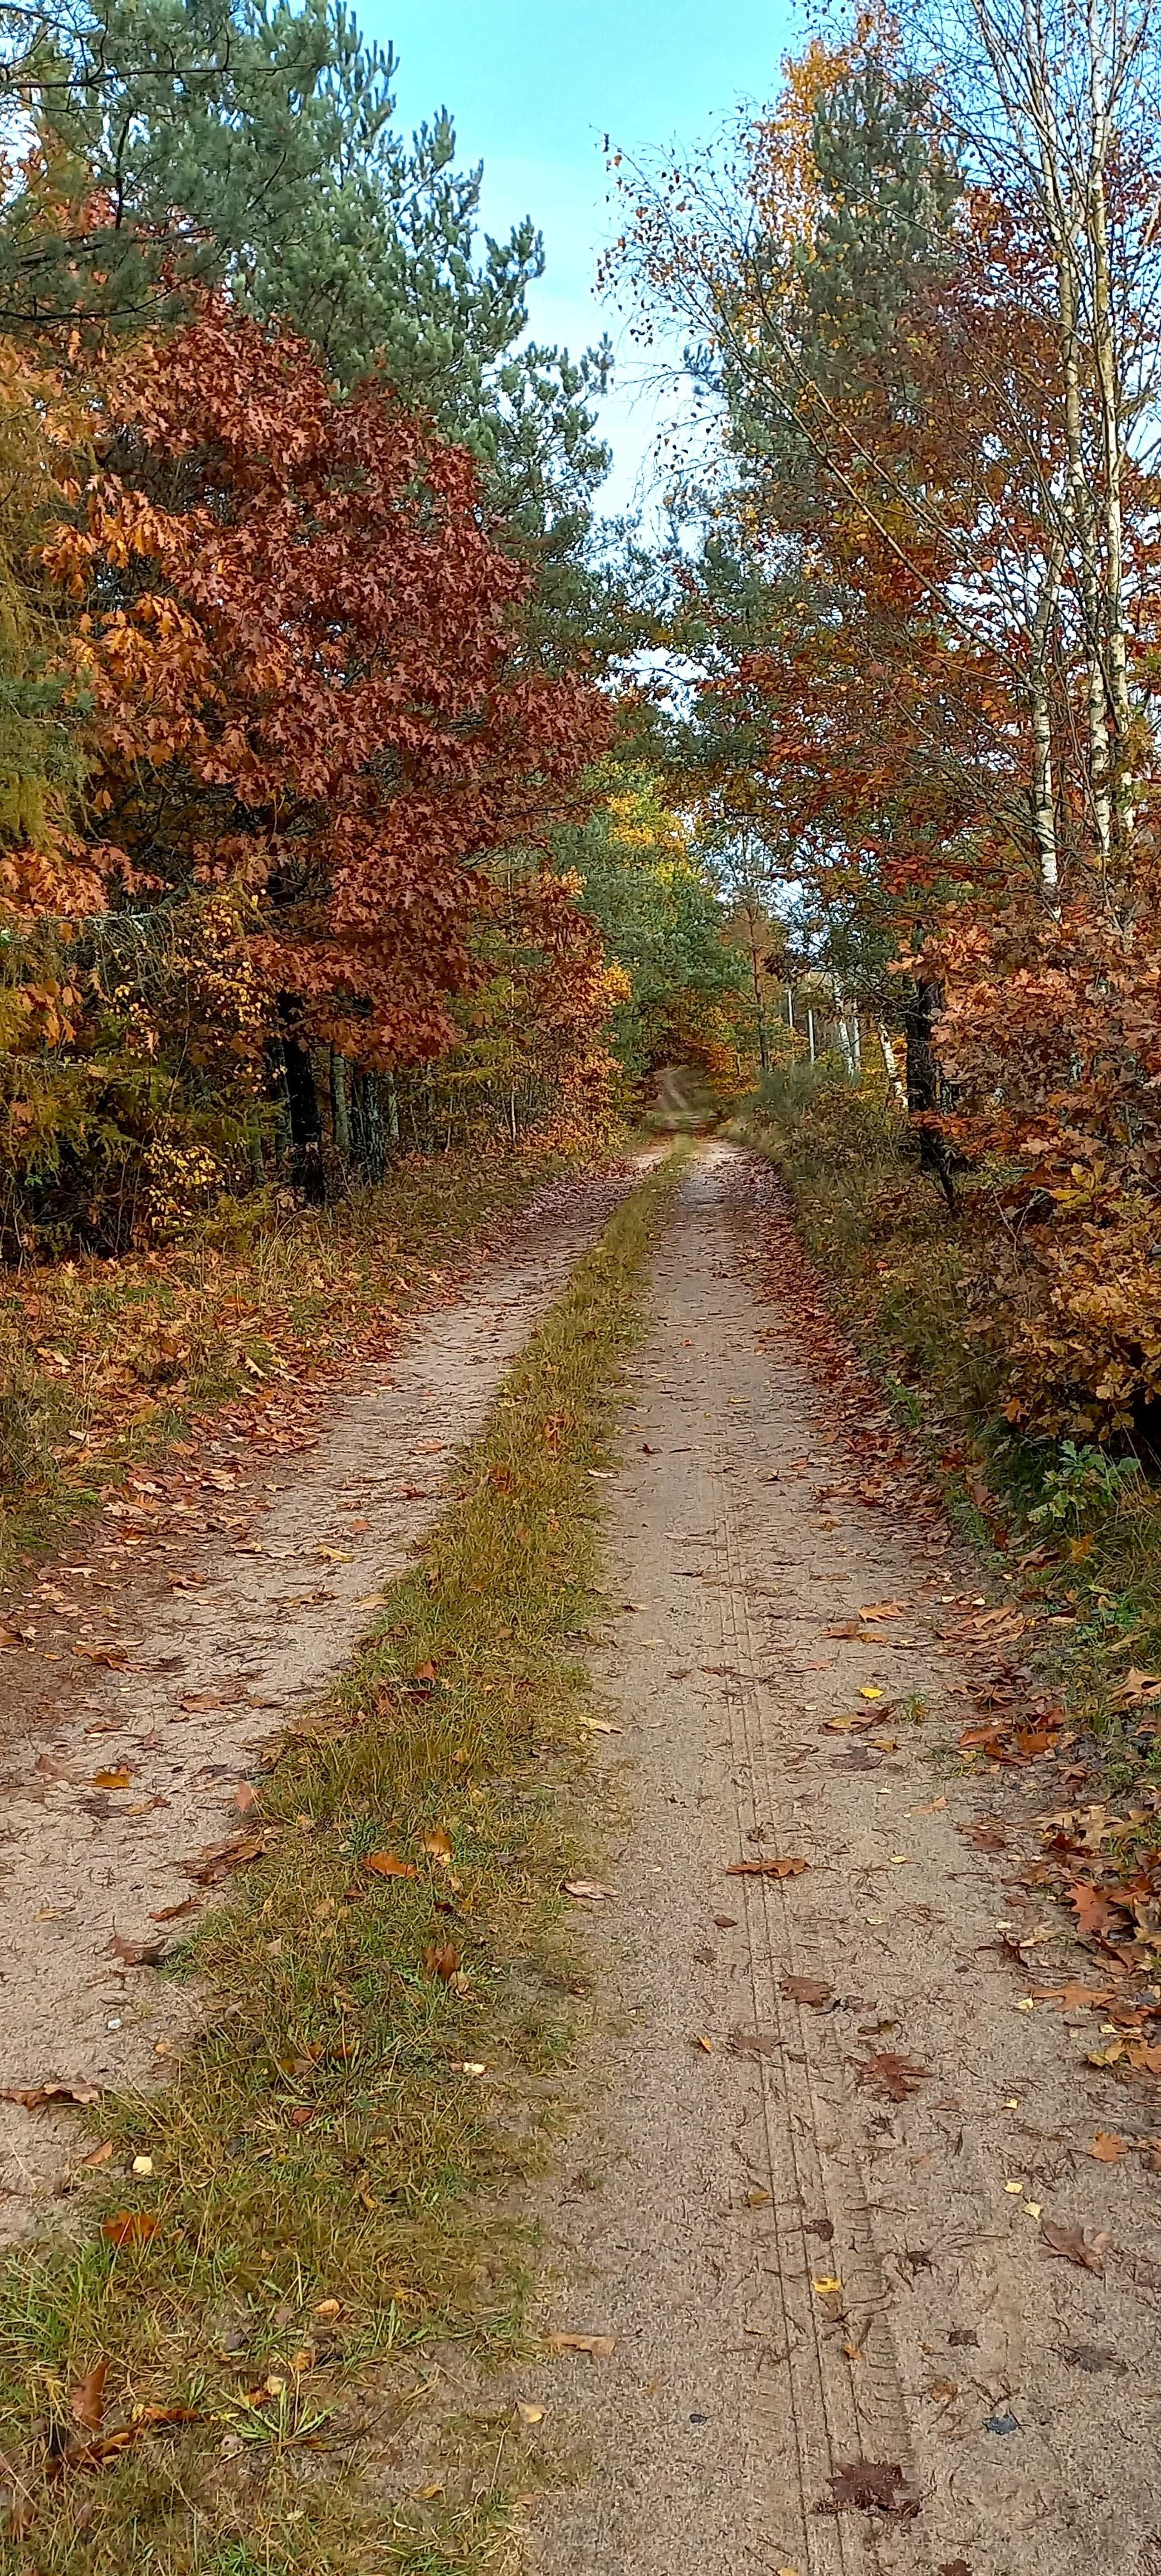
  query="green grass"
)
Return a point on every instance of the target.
[{"x": 337, "y": 2202}]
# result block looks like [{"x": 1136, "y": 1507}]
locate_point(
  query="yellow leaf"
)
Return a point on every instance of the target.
[{"x": 826, "y": 2288}]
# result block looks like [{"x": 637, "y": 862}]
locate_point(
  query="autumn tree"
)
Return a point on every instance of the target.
[
  {"x": 310, "y": 692},
  {"x": 183, "y": 144},
  {"x": 923, "y": 297}
]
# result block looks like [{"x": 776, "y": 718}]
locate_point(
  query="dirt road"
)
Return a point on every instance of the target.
[
  {"x": 833, "y": 2139},
  {"x": 163, "y": 1654}
]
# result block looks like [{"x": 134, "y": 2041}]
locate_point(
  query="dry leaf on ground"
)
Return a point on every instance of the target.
[
  {"x": 138, "y": 1954},
  {"x": 870, "y": 2486},
  {"x": 784, "y": 1868},
  {"x": 216, "y": 1862},
  {"x": 1070, "y": 2241},
  {"x": 441, "y": 1959},
  {"x": 130, "y": 2227},
  {"x": 892, "y": 2077},
  {"x": 600, "y": 2347},
  {"x": 808, "y": 1990},
  {"x": 87, "y": 2399},
  {"x": 37, "y": 2097},
  {"x": 387, "y": 1864}
]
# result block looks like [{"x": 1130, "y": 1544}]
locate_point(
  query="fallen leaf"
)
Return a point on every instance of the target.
[
  {"x": 438, "y": 1844},
  {"x": 601, "y": 2347},
  {"x": 529, "y": 2414},
  {"x": 245, "y": 1797},
  {"x": 892, "y": 2077},
  {"x": 109, "y": 2446},
  {"x": 588, "y": 1891},
  {"x": 218, "y": 1859},
  {"x": 138, "y": 1954},
  {"x": 785, "y": 1868},
  {"x": 825, "y": 2289},
  {"x": 870, "y": 2486},
  {"x": 869, "y": 1690},
  {"x": 87, "y": 2399},
  {"x": 36, "y": 2097},
  {"x": 170, "y": 1913},
  {"x": 1092, "y": 2356},
  {"x": 111, "y": 1779},
  {"x": 130, "y": 2227},
  {"x": 387, "y": 1864},
  {"x": 441, "y": 1959},
  {"x": 1087, "y": 2252},
  {"x": 883, "y": 1610},
  {"x": 1107, "y": 2149},
  {"x": 1136, "y": 1686},
  {"x": 985, "y": 1833},
  {"x": 808, "y": 1990}
]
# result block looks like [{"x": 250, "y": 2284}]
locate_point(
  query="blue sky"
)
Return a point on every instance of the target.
[{"x": 533, "y": 90}]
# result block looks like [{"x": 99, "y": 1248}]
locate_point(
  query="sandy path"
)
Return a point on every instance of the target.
[
  {"x": 259, "y": 1619},
  {"x": 726, "y": 2186}
]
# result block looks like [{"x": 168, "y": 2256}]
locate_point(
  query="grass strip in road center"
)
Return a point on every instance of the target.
[{"x": 264, "y": 2350}]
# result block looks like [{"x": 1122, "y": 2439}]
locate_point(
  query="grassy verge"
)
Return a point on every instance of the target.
[
  {"x": 1086, "y": 1527},
  {"x": 107, "y": 1362},
  {"x": 327, "y": 2252}
]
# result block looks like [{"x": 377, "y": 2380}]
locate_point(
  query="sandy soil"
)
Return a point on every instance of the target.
[
  {"x": 842, "y": 2340},
  {"x": 211, "y": 1604}
]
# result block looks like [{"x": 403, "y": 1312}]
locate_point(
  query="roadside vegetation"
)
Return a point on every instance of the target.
[
  {"x": 1079, "y": 1520},
  {"x": 290, "y": 2275},
  {"x": 105, "y": 1364}
]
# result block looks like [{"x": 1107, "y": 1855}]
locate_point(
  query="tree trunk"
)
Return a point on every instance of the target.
[
  {"x": 924, "y": 1086},
  {"x": 340, "y": 1106},
  {"x": 306, "y": 1135},
  {"x": 891, "y": 1064}
]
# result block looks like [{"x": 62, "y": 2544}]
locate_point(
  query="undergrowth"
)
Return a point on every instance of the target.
[
  {"x": 1086, "y": 1524},
  {"x": 327, "y": 2253},
  {"x": 103, "y": 1363}
]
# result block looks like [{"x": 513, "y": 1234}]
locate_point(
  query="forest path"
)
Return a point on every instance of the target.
[
  {"x": 210, "y": 1597},
  {"x": 843, "y": 2342}
]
